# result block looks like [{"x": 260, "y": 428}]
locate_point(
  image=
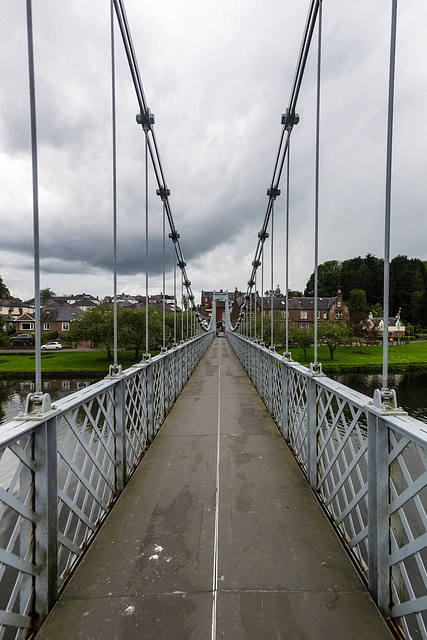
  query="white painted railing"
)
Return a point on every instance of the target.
[{"x": 368, "y": 467}]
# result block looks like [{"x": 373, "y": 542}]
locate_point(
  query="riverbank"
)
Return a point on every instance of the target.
[
  {"x": 78, "y": 362},
  {"x": 61, "y": 364},
  {"x": 402, "y": 358}
]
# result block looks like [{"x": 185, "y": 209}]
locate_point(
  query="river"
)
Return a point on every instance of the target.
[
  {"x": 410, "y": 389},
  {"x": 14, "y": 392}
]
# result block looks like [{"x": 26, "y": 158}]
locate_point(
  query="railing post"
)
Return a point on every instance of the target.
[
  {"x": 285, "y": 401},
  {"x": 149, "y": 400},
  {"x": 167, "y": 385},
  {"x": 269, "y": 403},
  {"x": 120, "y": 429},
  {"x": 46, "y": 509},
  {"x": 311, "y": 432},
  {"x": 378, "y": 500}
]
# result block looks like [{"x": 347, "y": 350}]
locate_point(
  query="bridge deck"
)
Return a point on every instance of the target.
[{"x": 262, "y": 561}]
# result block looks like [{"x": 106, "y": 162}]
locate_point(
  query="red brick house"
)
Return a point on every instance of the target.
[{"x": 301, "y": 309}]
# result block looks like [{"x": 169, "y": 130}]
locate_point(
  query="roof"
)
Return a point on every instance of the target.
[
  {"x": 59, "y": 314},
  {"x": 11, "y": 302}
]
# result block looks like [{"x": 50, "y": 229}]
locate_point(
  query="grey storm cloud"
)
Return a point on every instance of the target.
[{"x": 217, "y": 76}]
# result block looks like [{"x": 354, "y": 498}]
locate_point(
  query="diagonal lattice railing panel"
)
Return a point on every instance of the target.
[
  {"x": 342, "y": 468},
  {"x": 136, "y": 418},
  {"x": 276, "y": 406},
  {"x": 86, "y": 476},
  {"x": 158, "y": 394},
  {"x": 17, "y": 524},
  {"x": 297, "y": 415},
  {"x": 408, "y": 533}
]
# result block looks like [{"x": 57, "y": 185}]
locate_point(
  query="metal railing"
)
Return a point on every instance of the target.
[
  {"x": 368, "y": 467},
  {"x": 61, "y": 473}
]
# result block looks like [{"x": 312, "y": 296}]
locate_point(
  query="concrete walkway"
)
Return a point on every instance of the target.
[{"x": 217, "y": 535}]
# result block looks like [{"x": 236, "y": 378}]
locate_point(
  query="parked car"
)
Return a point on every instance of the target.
[
  {"x": 21, "y": 338},
  {"x": 51, "y": 346}
]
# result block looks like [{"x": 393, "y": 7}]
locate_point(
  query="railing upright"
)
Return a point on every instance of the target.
[
  {"x": 46, "y": 511},
  {"x": 311, "y": 432},
  {"x": 378, "y": 519},
  {"x": 285, "y": 417},
  {"x": 149, "y": 400},
  {"x": 120, "y": 434}
]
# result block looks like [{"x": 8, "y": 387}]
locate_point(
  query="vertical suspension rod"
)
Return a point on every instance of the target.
[
  {"x": 36, "y": 227},
  {"x": 287, "y": 250},
  {"x": 316, "y": 190},
  {"x": 388, "y": 191},
  {"x": 114, "y": 143},
  {"x": 272, "y": 280},
  {"x": 146, "y": 243}
]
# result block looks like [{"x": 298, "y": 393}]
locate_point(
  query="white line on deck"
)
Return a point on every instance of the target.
[{"x": 215, "y": 554}]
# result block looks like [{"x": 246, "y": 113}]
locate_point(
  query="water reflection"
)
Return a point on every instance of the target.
[
  {"x": 411, "y": 389},
  {"x": 14, "y": 392}
]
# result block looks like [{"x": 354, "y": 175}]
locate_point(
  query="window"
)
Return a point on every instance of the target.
[
  {"x": 29, "y": 326},
  {"x": 46, "y": 326},
  {"x": 325, "y": 315},
  {"x": 338, "y": 315},
  {"x": 339, "y": 303},
  {"x": 318, "y": 315},
  {"x": 65, "y": 326},
  {"x": 303, "y": 315}
]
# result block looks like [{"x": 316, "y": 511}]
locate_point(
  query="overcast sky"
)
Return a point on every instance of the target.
[{"x": 217, "y": 76}]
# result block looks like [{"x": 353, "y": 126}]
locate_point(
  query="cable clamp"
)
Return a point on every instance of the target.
[{"x": 146, "y": 120}]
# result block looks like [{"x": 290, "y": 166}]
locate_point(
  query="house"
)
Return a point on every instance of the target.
[
  {"x": 301, "y": 309},
  {"x": 13, "y": 308},
  {"x": 396, "y": 328},
  {"x": 57, "y": 318},
  {"x": 52, "y": 318}
]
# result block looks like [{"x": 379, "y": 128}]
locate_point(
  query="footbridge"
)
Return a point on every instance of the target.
[{"x": 217, "y": 488}]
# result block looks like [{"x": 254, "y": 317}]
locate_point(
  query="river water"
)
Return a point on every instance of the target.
[
  {"x": 411, "y": 389},
  {"x": 14, "y": 392}
]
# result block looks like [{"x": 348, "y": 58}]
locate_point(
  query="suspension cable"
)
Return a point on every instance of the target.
[
  {"x": 146, "y": 118},
  {"x": 272, "y": 280},
  {"x": 164, "y": 272},
  {"x": 388, "y": 198},
  {"x": 289, "y": 119},
  {"x": 36, "y": 227},
  {"x": 316, "y": 190},
  {"x": 287, "y": 251},
  {"x": 114, "y": 144}
]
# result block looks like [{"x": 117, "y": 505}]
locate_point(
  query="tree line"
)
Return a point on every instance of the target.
[{"x": 408, "y": 284}]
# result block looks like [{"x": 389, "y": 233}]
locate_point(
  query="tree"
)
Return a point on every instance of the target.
[
  {"x": 132, "y": 329},
  {"x": 333, "y": 335},
  {"x": 304, "y": 338},
  {"x": 358, "y": 324},
  {"x": 357, "y": 302},
  {"x": 96, "y": 325},
  {"x": 276, "y": 292},
  {"x": 328, "y": 275},
  {"x": 4, "y": 291},
  {"x": 47, "y": 293},
  {"x": 4, "y": 338}
]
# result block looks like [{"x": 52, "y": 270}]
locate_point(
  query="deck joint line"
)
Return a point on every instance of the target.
[{"x": 216, "y": 536}]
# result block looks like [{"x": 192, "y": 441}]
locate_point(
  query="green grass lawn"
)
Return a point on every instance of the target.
[
  {"x": 400, "y": 357},
  {"x": 64, "y": 361}
]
